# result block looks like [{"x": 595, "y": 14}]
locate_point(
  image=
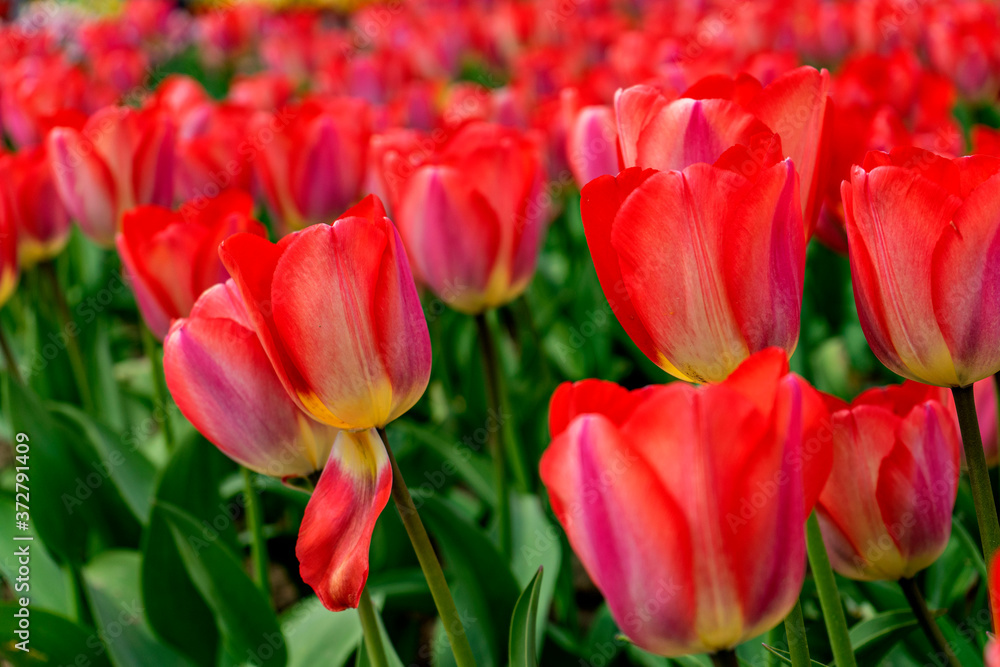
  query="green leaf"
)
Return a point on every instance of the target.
[
  {"x": 54, "y": 640},
  {"x": 523, "y": 647},
  {"x": 391, "y": 657},
  {"x": 317, "y": 636},
  {"x": 131, "y": 472},
  {"x": 536, "y": 543},
  {"x": 874, "y": 638},
  {"x": 50, "y": 588},
  {"x": 483, "y": 586},
  {"x": 112, "y": 580},
  {"x": 247, "y": 624}
]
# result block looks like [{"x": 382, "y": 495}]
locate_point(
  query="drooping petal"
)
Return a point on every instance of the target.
[{"x": 336, "y": 530}]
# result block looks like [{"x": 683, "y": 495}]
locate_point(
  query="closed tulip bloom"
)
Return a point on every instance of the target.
[
  {"x": 122, "y": 158},
  {"x": 886, "y": 511},
  {"x": 41, "y": 219},
  {"x": 311, "y": 162},
  {"x": 687, "y": 505},
  {"x": 337, "y": 312},
  {"x": 591, "y": 138},
  {"x": 718, "y": 112},
  {"x": 223, "y": 382},
  {"x": 473, "y": 215},
  {"x": 702, "y": 266},
  {"x": 922, "y": 235},
  {"x": 172, "y": 257}
]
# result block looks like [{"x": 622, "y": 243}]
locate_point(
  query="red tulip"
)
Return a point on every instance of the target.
[
  {"x": 922, "y": 236},
  {"x": 985, "y": 392},
  {"x": 9, "y": 269},
  {"x": 718, "y": 112},
  {"x": 703, "y": 267},
  {"x": 223, "y": 382},
  {"x": 312, "y": 166},
  {"x": 40, "y": 217},
  {"x": 38, "y": 93},
  {"x": 886, "y": 511},
  {"x": 992, "y": 655},
  {"x": 337, "y": 312},
  {"x": 172, "y": 257},
  {"x": 472, "y": 214},
  {"x": 591, "y": 141},
  {"x": 727, "y": 475},
  {"x": 121, "y": 158}
]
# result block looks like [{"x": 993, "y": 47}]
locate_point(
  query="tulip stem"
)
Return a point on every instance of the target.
[
  {"x": 69, "y": 332},
  {"x": 255, "y": 526},
  {"x": 492, "y": 377},
  {"x": 795, "y": 633},
  {"x": 979, "y": 474},
  {"x": 8, "y": 356},
  {"x": 926, "y": 620},
  {"x": 369, "y": 627},
  {"x": 725, "y": 658},
  {"x": 429, "y": 563},
  {"x": 829, "y": 596},
  {"x": 159, "y": 386}
]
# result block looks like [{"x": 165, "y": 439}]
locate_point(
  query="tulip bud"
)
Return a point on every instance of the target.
[
  {"x": 336, "y": 310},
  {"x": 922, "y": 233},
  {"x": 172, "y": 257},
  {"x": 886, "y": 511},
  {"x": 727, "y": 475}
]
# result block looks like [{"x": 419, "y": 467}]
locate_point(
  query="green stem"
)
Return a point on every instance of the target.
[
  {"x": 69, "y": 331},
  {"x": 492, "y": 377},
  {"x": 795, "y": 632},
  {"x": 429, "y": 564},
  {"x": 8, "y": 357},
  {"x": 255, "y": 525},
  {"x": 150, "y": 347},
  {"x": 979, "y": 475},
  {"x": 725, "y": 658},
  {"x": 829, "y": 596},
  {"x": 372, "y": 634},
  {"x": 926, "y": 621}
]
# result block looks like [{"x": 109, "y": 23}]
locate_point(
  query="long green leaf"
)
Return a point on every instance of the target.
[{"x": 523, "y": 647}]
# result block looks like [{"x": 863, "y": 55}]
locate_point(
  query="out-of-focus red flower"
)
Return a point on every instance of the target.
[
  {"x": 922, "y": 233},
  {"x": 886, "y": 510},
  {"x": 121, "y": 158},
  {"x": 472, "y": 213},
  {"x": 34, "y": 206},
  {"x": 310, "y": 158},
  {"x": 264, "y": 91},
  {"x": 172, "y": 257},
  {"x": 721, "y": 112},
  {"x": 728, "y": 473},
  {"x": 985, "y": 392},
  {"x": 591, "y": 138},
  {"x": 9, "y": 268},
  {"x": 39, "y": 93}
]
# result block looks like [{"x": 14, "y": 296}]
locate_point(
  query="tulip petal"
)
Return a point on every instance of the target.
[
  {"x": 894, "y": 221},
  {"x": 965, "y": 279},
  {"x": 646, "y": 575},
  {"x": 668, "y": 236},
  {"x": 634, "y": 108},
  {"x": 84, "y": 183},
  {"x": 764, "y": 260},
  {"x": 336, "y": 530},
  {"x": 223, "y": 383},
  {"x": 918, "y": 483},
  {"x": 687, "y": 132},
  {"x": 609, "y": 399},
  {"x": 323, "y": 300}
]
